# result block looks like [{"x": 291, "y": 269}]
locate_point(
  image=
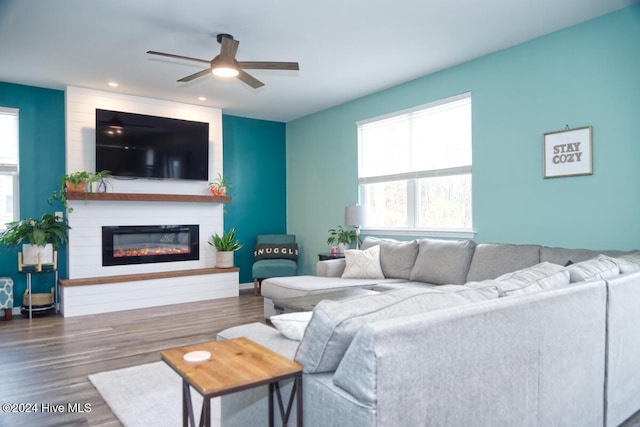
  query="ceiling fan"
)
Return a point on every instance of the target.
[{"x": 226, "y": 65}]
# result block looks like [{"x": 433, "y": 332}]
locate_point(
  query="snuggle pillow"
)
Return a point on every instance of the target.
[{"x": 276, "y": 251}]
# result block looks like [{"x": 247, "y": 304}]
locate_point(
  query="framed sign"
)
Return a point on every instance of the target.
[{"x": 568, "y": 152}]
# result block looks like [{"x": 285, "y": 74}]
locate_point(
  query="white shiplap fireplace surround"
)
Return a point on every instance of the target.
[{"x": 125, "y": 291}]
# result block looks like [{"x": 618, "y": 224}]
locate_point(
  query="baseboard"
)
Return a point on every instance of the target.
[{"x": 246, "y": 287}]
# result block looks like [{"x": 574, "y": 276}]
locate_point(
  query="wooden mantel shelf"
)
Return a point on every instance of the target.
[
  {"x": 144, "y": 276},
  {"x": 147, "y": 197}
]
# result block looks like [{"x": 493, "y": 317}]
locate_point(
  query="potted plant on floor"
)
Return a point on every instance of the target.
[
  {"x": 341, "y": 237},
  {"x": 225, "y": 246},
  {"x": 38, "y": 237},
  {"x": 81, "y": 181}
]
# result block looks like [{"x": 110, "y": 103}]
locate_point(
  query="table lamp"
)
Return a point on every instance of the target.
[{"x": 354, "y": 217}]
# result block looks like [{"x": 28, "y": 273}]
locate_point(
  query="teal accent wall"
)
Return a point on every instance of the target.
[
  {"x": 42, "y": 160},
  {"x": 254, "y": 160},
  {"x": 583, "y": 75}
]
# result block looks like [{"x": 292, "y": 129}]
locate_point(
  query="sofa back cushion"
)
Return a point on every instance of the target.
[
  {"x": 564, "y": 256},
  {"x": 443, "y": 262},
  {"x": 396, "y": 257},
  {"x": 629, "y": 263},
  {"x": 335, "y": 323},
  {"x": 600, "y": 267},
  {"x": 540, "y": 277},
  {"x": 491, "y": 260}
]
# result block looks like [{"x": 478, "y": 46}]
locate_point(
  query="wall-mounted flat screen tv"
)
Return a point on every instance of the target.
[{"x": 141, "y": 146}]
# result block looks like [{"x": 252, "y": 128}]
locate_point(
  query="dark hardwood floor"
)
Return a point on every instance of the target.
[{"x": 47, "y": 359}]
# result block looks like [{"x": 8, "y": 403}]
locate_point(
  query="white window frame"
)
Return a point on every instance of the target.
[
  {"x": 411, "y": 179},
  {"x": 11, "y": 169}
]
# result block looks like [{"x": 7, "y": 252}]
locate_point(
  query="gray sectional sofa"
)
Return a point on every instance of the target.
[{"x": 462, "y": 334}]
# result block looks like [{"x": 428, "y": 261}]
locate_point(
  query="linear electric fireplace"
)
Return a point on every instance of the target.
[{"x": 122, "y": 245}]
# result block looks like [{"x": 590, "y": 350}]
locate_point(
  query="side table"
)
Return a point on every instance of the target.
[
  {"x": 236, "y": 364},
  {"x": 327, "y": 256}
]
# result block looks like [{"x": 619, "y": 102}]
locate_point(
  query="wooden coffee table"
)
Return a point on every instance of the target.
[
  {"x": 236, "y": 364},
  {"x": 308, "y": 302}
]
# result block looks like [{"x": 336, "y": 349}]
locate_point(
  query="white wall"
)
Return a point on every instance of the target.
[{"x": 88, "y": 217}]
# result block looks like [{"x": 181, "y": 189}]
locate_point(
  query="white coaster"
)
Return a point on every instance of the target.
[{"x": 197, "y": 356}]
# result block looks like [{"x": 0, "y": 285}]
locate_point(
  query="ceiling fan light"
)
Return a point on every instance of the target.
[{"x": 224, "y": 71}]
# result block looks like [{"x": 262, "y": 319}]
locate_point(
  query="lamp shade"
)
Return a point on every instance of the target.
[{"x": 354, "y": 215}]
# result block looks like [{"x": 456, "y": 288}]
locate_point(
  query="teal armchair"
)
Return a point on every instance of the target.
[{"x": 275, "y": 255}]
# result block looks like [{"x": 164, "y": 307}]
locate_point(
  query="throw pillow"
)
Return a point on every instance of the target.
[
  {"x": 443, "y": 262},
  {"x": 292, "y": 325},
  {"x": 600, "y": 267},
  {"x": 276, "y": 251},
  {"x": 532, "y": 279},
  {"x": 362, "y": 264},
  {"x": 335, "y": 323},
  {"x": 396, "y": 258}
]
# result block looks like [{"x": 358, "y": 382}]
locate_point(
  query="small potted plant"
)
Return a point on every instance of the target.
[
  {"x": 341, "y": 237},
  {"x": 225, "y": 246},
  {"x": 81, "y": 181},
  {"x": 76, "y": 181},
  {"x": 99, "y": 181},
  {"x": 38, "y": 237},
  {"x": 220, "y": 186}
]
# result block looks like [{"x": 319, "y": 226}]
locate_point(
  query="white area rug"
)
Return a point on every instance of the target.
[{"x": 148, "y": 395}]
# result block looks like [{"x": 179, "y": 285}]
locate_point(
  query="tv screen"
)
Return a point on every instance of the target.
[{"x": 141, "y": 146}]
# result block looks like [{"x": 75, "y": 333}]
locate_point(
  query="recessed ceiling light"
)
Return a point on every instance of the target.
[
  {"x": 113, "y": 84},
  {"x": 202, "y": 98}
]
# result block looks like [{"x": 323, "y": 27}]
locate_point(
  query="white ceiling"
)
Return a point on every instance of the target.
[{"x": 346, "y": 48}]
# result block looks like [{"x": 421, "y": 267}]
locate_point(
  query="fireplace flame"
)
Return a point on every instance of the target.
[{"x": 150, "y": 250}]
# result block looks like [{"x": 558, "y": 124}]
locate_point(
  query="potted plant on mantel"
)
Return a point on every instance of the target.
[
  {"x": 225, "y": 246},
  {"x": 220, "y": 186},
  {"x": 38, "y": 237},
  {"x": 81, "y": 181},
  {"x": 341, "y": 237}
]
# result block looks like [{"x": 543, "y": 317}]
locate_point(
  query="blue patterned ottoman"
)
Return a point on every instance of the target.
[{"x": 6, "y": 296}]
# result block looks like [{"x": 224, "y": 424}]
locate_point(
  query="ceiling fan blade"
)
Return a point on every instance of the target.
[
  {"x": 264, "y": 65},
  {"x": 171, "y": 55},
  {"x": 249, "y": 79},
  {"x": 195, "y": 75},
  {"x": 229, "y": 47}
]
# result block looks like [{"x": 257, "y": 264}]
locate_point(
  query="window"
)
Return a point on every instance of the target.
[
  {"x": 414, "y": 168},
  {"x": 8, "y": 166}
]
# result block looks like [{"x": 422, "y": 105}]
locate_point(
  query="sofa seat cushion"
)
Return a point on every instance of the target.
[
  {"x": 296, "y": 286},
  {"x": 600, "y": 267},
  {"x": 491, "y": 260},
  {"x": 390, "y": 286},
  {"x": 543, "y": 276},
  {"x": 396, "y": 258},
  {"x": 335, "y": 323},
  {"x": 443, "y": 262}
]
